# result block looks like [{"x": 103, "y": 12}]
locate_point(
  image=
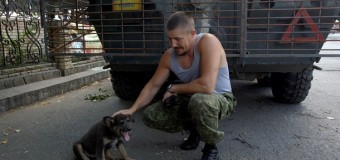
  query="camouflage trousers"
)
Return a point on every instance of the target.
[{"x": 203, "y": 110}]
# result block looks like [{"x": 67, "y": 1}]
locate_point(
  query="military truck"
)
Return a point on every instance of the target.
[{"x": 276, "y": 42}]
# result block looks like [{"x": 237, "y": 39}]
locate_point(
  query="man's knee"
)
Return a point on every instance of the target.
[
  {"x": 157, "y": 117},
  {"x": 151, "y": 114},
  {"x": 147, "y": 115},
  {"x": 200, "y": 103}
]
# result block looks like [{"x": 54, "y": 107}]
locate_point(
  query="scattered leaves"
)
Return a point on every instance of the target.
[
  {"x": 159, "y": 153},
  {"x": 9, "y": 130},
  {"x": 45, "y": 103},
  {"x": 96, "y": 97}
]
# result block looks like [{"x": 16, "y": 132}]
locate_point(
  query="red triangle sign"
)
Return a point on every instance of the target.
[{"x": 302, "y": 13}]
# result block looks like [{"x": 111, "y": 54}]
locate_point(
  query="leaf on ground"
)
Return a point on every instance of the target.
[
  {"x": 5, "y": 141},
  {"x": 330, "y": 118},
  {"x": 5, "y": 133}
]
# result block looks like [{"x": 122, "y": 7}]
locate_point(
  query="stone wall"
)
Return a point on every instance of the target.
[{"x": 29, "y": 74}]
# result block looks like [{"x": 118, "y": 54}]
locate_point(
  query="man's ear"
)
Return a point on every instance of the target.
[
  {"x": 108, "y": 120},
  {"x": 193, "y": 31}
]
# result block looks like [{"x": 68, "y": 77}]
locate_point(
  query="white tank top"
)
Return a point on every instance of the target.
[{"x": 193, "y": 72}]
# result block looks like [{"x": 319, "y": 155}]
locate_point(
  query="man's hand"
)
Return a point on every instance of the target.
[
  {"x": 167, "y": 94},
  {"x": 127, "y": 112}
]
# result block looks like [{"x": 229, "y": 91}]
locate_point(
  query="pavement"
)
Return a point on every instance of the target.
[
  {"x": 260, "y": 128},
  {"x": 15, "y": 97}
]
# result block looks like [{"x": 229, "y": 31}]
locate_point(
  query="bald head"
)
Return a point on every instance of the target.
[{"x": 181, "y": 20}]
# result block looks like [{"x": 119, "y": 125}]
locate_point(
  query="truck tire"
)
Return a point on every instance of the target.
[
  {"x": 127, "y": 85},
  {"x": 291, "y": 88}
]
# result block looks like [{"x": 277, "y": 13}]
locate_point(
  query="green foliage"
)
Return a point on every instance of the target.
[{"x": 96, "y": 97}]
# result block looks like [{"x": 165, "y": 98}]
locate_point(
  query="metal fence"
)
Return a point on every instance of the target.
[
  {"x": 68, "y": 29},
  {"x": 21, "y": 34},
  {"x": 246, "y": 28}
]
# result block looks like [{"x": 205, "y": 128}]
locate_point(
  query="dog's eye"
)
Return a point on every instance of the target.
[{"x": 121, "y": 122}]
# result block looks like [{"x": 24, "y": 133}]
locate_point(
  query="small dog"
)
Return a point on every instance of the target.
[{"x": 97, "y": 142}]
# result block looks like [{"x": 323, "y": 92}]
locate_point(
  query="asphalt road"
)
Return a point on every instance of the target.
[{"x": 260, "y": 128}]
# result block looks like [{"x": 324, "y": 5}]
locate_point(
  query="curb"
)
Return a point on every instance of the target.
[{"x": 15, "y": 97}]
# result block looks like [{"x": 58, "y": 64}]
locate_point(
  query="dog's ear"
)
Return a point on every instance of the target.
[{"x": 108, "y": 120}]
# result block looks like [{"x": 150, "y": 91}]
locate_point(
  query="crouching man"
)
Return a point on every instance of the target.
[{"x": 204, "y": 95}]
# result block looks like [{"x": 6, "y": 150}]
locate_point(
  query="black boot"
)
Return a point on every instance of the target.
[
  {"x": 210, "y": 152},
  {"x": 193, "y": 140}
]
